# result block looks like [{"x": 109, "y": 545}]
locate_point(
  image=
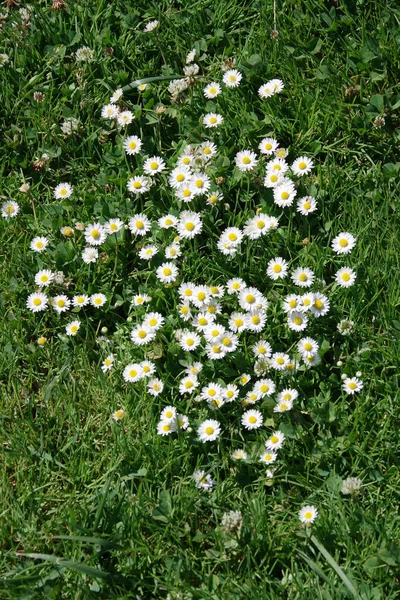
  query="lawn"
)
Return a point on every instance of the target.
[{"x": 138, "y": 141}]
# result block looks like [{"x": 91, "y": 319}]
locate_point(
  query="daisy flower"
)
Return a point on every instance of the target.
[
  {"x": 279, "y": 361},
  {"x": 262, "y": 348},
  {"x": 203, "y": 481},
  {"x": 95, "y": 234},
  {"x": 186, "y": 192},
  {"x": 252, "y": 419},
  {"x": 277, "y": 268},
  {"x": 194, "y": 369},
  {"x": 117, "y": 95},
  {"x": 212, "y": 90},
  {"x": 249, "y": 298},
  {"x": 306, "y": 205},
  {"x": 154, "y": 320},
  {"x": 118, "y": 415},
  {"x": 268, "y": 457},
  {"x": 155, "y": 386},
  {"x": 275, "y": 442},
  {"x": 268, "y": 146},
  {"x": 188, "y": 384},
  {"x": 214, "y": 332},
  {"x": 200, "y": 182},
  {"x": 291, "y": 302},
  {"x": 139, "y": 224},
  {"x": 72, "y": 328},
  {"x": 167, "y": 221},
  {"x": 302, "y": 166},
  {"x": 297, "y": 321},
  {"x": 256, "y": 320},
  {"x": 284, "y": 194},
  {"x": 80, "y": 300},
  {"x": 277, "y": 85},
  {"x": 179, "y": 175},
  {"x": 154, "y": 165},
  {"x": 202, "y": 321},
  {"x": 264, "y": 387},
  {"x": 110, "y": 111},
  {"x": 302, "y": 277},
  {"x": 307, "y": 346},
  {"x": 90, "y": 255},
  {"x": 132, "y": 144},
  {"x": 305, "y": 302},
  {"x": 232, "y": 78},
  {"x": 63, "y": 190},
  {"x": 312, "y": 360},
  {"x": 260, "y": 225},
  {"x": 168, "y": 414},
  {"x": 212, "y": 391},
  {"x": 67, "y": 231},
  {"x": 234, "y": 286},
  {"x": 186, "y": 291},
  {"x": 142, "y": 334},
  {"x": 281, "y": 152},
  {"x": 238, "y": 322},
  {"x": 246, "y": 160},
  {"x": 132, "y": 372},
  {"x": 165, "y": 428},
  {"x": 320, "y": 306},
  {"x": 125, "y": 118},
  {"x": 139, "y": 185},
  {"x": 230, "y": 393},
  {"x": 212, "y": 120},
  {"x": 148, "y": 252},
  {"x": 278, "y": 165},
  {"x": 108, "y": 363},
  {"x": 215, "y": 351},
  {"x": 209, "y": 430},
  {"x": 244, "y": 379},
  {"x": 42, "y": 341},
  {"x": 343, "y": 243},
  {"x": 207, "y": 149},
  {"x": 273, "y": 179},
  {"x": 189, "y": 340},
  {"x": 229, "y": 342},
  {"x": 39, "y": 244},
  {"x": 148, "y": 367},
  {"x": 352, "y": 385},
  {"x": 308, "y": 514},
  {"x": 283, "y": 406},
  {"x": 182, "y": 421},
  {"x": 239, "y": 455},
  {"x": 44, "y": 278},
  {"x": 61, "y": 303},
  {"x": 139, "y": 300},
  {"x": 37, "y": 302},
  {"x": 287, "y": 394},
  {"x": 150, "y": 26},
  {"x": 345, "y": 277},
  {"x": 189, "y": 224},
  {"x": 266, "y": 90},
  {"x": 98, "y": 300},
  {"x": 167, "y": 272}
]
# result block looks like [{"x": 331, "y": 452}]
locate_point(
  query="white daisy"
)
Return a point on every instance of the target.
[
  {"x": 256, "y": 320},
  {"x": 212, "y": 90},
  {"x": 72, "y": 328},
  {"x": 165, "y": 428},
  {"x": 182, "y": 421},
  {"x": 117, "y": 95},
  {"x": 39, "y": 244},
  {"x": 268, "y": 146},
  {"x": 277, "y": 268},
  {"x": 302, "y": 166},
  {"x": 37, "y": 302},
  {"x": 139, "y": 224},
  {"x": 154, "y": 320},
  {"x": 147, "y": 252},
  {"x": 110, "y": 111},
  {"x": 139, "y": 185},
  {"x": 212, "y": 120},
  {"x": 132, "y": 145},
  {"x": 148, "y": 367},
  {"x": 305, "y": 302},
  {"x": 343, "y": 243},
  {"x": 200, "y": 182},
  {"x": 308, "y": 514},
  {"x": 297, "y": 321},
  {"x": 232, "y": 78},
  {"x": 63, "y": 190},
  {"x": 345, "y": 277},
  {"x": 209, "y": 430},
  {"x": 279, "y": 361},
  {"x": 98, "y": 300},
  {"x": 118, "y": 415},
  {"x": 239, "y": 455},
  {"x": 246, "y": 160},
  {"x": 189, "y": 224},
  {"x": 352, "y": 385},
  {"x": 167, "y": 272},
  {"x": 275, "y": 442},
  {"x": 284, "y": 194},
  {"x": 212, "y": 391},
  {"x": 302, "y": 276},
  {"x": 132, "y": 372},
  {"x": 80, "y": 300},
  {"x": 249, "y": 298},
  {"x": 150, "y": 26},
  {"x": 168, "y": 414},
  {"x": 215, "y": 351},
  {"x": 44, "y": 278},
  {"x": 264, "y": 387},
  {"x": 283, "y": 406},
  {"x": 306, "y": 205},
  {"x": 167, "y": 221},
  {"x": 203, "y": 481},
  {"x": 95, "y": 234},
  {"x": 273, "y": 179},
  {"x": 291, "y": 302},
  {"x": 179, "y": 175},
  {"x": 108, "y": 363},
  {"x": 268, "y": 457},
  {"x": 113, "y": 226},
  {"x": 155, "y": 386},
  {"x": 230, "y": 393},
  {"x": 125, "y": 118},
  {"x": 60, "y": 303},
  {"x": 320, "y": 306},
  {"x": 238, "y": 322},
  {"x": 90, "y": 255},
  {"x": 234, "y": 286},
  {"x": 188, "y": 384},
  {"x": 154, "y": 165},
  {"x": 307, "y": 346},
  {"x": 189, "y": 340},
  {"x": 252, "y": 419},
  {"x": 207, "y": 149},
  {"x": 186, "y": 192},
  {"x": 262, "y": 348}
]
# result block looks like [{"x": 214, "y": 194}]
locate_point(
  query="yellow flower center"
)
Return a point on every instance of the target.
[
  {"x": 98, "y": 300},
  {"x": 346, "y": 276},
  {"x": 95, "y": 234},
  {"x": 153, "y": 322},
  {"x": 302, "y": 165},
  {"x": 119, "y": 414},
  {"x": 238, "y": 322},
  {"x": 203, "y": 321},
  {"x": 252, "y": 419},
  {"x": 207, "y": 150},
  {"x": 169, "y": 414},
  {"x": 74, "y": 328},
  {"x": 285, "y": 195},
  {"x": 343, "y": 243},
  {"x": 273, "y": 178},
  {"x": 189, "y": 226},
  {"x": 188, "y": 292},
  {"x": 303, "y": 277},
  {"x": 180, "y": 177},
  {"x": 39, "y": 244},
  {"x": 213, "y": 120},
  {"x": 37, "y": 301},
  {"x": 287, "y": 396},
  {"x": 201, "y": 296},
  {"x": 44, "y": 278},
  {"x": 142, "y": 334},
  {"x": 277, "y": 268},
  {"x": 216, "y": 349},
  {"x": 213, "y": 199},
  {"x": 280, "y": 360},
  {"x": 132, "y": 145},
  {"x": 260, "y": 224},
  {"x": 188, "y": 385},
  {"x": 167, "y": 271},
  {"x": 137, "y": 185},
  {"x": 274, "y": 439},
  {"x": 250, "y": 298},
  {"x": 199, "y": 183},
  {"x": 227, "y": 341},
  {"x": 211, "y": 309},
  {"x": 267, "y": 456},
  {"x": 230, "y": 393},
  {"x": 308, "y": 515},
  {"x": 298, "y": 320},
  {"x": 306, "y": 205},
  {"x": 246, "y": 160},
  {"x": 61, "y": 303},
  {"x": 154, "y": 165},
  {"x": 190, "y": 342},
  {"x": 166, "y": 427},
  {"x": 255, "y": 319},
  {"x": 212, "y": 90},
  {"x": 139, "y": 225},
  {"x": 268, "y": 146},
  {"x": 184, "y": 310},
  {"x": 209, "y": 430},
  {"x": 132, "y": 373},
  {"x": 186, "y": 161},
  {"x": 264, "y": 388},
  {"x": 236, "y": 286},
  {"x": 67, "y": 231},
  {"x": 186, "y": 193},
  {"x": 232, "y": 237},
  {"x": 307, "y": 346},
  {"x": 42, "y": 341},
  {"x": 352, "y": 385},
  {"x": 318, "y": 304},
  {"x": 63, "y": 191}
]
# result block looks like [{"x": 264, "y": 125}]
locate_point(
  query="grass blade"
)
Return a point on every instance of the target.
[
  {"x": 350, "y": 586},
  {"x": 68, "y": 564},
  {"x": 313, "y": 566}
]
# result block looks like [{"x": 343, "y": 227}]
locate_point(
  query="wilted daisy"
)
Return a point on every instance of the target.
[
  {"x": 132, "y": 145},
  {"x": 155, "y": 386},
  {"x": 63, "y": 190},
  {"x": 239, "y": 455},
  {"x": 110, "y": 111},
  {"x": 61, "y": 303},
  {"x": 277, "y": 268},
  {"x": 189, "y": 224},
  {"x": 203, "y": 480},
  {"x": 252, "y": 419},
  {"x": 268, "y": 146},
  {"x": 67, "y": 231},
  {"x": 147, "y": 252},
  {"x": 98, "y": 300},
  {"x": 302, "y": 166},
  {"x": 345, "y": 326},
  {"x": 306, "y": 205},
  {"x": 268, "y": 457},
  {"x": 44, "y": 278},
  {"x": 209, "y": 430},
  {"x": 150, "y": 26},
  {"x": 9, "y": 209},
  {"x": 191, "y": 70},
  {"x": 108, "y": 363},
  {"x": 90, "y": 255},
  {"x": 212, "y": 120},
  {"x": 246, "y": 160},
  {"x": 36, "y": 302},
  {"x": 72, "y": 328},
  {"x": 275, "y": 442},
  {"x": 190, "y": 56},
  {"x": 345, "y": 277},
  {"x": 343, "y": 243},
  {"x": 153, "y": 165},
  {"x": 117, "y": 95},
  {"x": 212, "y": 90},
  {"x": 139, "y": 224},
  {"x": 118, "y": 415},
  {"x": 95, "y": 234},
  {"x": 352, "y": 385},
  {"x": 132, "y": 373},
  {"x": 25, "y": 187},
  {"x": 302, "y": 276},
  {"x": 167, "y": 272},
  {"x": 308, "y": 514},
  {"x": 139, "y": 185},
  {"x": 284, "y": 193}
]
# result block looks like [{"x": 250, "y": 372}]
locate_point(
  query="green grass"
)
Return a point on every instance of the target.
[{"x": 96, "y": 509}]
